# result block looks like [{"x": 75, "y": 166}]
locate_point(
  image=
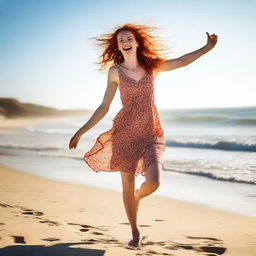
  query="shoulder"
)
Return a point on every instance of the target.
[
  {"x": 113, "y": 74},
  {"x": 113, "y": 69}
]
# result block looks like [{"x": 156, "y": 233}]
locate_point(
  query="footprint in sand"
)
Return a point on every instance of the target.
[
  {"x": 97, "y": 233},
  {"x": 32, "y": 212},
  {"x": 50, "y": 239},
  {"x": 108, "y": 240},
  {"x": 1, "y": 225},
  {"x": 213, "y": 249},
  {"x": 24, "y": 210},
  {"x": 19, "y": 239},
  {"x": 50, "y": 222},
  {"x": 210, "y": 245},
  {"x": 144, "y": 226},
  {"x": 86, "y": 228},
  {"x": 82, "y": 227},
  {"x": 155, "y": 243},
  {"x": 201, "y": 237},
  {"x": 5, "y": 205},
  {"x": 207, "y": 244},
  {"x": 89, "y": 241},
  {"x": 151, "y": 252}
]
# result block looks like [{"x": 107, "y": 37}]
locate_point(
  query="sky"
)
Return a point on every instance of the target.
[{"x": 47, "y": 57}]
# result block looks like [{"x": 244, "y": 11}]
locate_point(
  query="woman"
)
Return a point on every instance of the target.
[{"x": 135, "y": 143}]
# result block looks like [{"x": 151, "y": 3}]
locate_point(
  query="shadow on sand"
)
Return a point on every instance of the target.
[{"x": 62, "y": 249}]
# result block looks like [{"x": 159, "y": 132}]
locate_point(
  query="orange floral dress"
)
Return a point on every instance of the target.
[{"x": 136, "y": 138}]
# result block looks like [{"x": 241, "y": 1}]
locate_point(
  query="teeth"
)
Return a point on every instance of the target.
[{"x": 127, "y": 48}]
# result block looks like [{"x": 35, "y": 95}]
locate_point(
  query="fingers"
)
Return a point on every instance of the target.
[
  {"x": 73, "y": 143},
  {"x": 70, "y": 145},
  {"x": 213, "y": 36},
  {"x": 74, "y": 140}
]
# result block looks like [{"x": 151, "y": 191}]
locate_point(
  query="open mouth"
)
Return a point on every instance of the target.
[{"x": 127, "y": 48}]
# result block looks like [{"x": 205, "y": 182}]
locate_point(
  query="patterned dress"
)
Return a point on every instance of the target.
[{"x": 136, "y": 138}]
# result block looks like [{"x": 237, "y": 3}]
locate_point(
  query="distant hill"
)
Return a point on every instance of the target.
[{"x": 10, "y": 107}]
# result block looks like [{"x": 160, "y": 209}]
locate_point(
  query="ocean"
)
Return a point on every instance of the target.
[{"x": 210, "y": 156}]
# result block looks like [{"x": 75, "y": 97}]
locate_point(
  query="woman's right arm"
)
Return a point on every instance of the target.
[{"x": 102, "y": 110}]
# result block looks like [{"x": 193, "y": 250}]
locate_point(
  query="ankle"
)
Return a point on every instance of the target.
[{"x": 135, "y": 233}]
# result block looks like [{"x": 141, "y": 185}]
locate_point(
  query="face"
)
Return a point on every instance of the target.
[{"x": 126, "y": 42}]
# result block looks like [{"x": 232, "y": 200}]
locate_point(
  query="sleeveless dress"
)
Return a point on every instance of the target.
[{"x": 136, "y": 138}]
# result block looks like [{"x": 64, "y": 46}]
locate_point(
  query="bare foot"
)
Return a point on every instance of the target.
[
  {"x": 135, "y": 242},
  {"x": 137, "y": 200}
]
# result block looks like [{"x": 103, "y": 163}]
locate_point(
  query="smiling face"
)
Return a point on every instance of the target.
[{"x": 126, "y": 42}]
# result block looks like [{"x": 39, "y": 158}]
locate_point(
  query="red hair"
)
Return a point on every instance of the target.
[{"x": 149, "y": 52}]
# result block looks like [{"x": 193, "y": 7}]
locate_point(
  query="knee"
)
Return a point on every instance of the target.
[
  {"x": 128, "y": 181},
  {"x": 153, "y": 185}
]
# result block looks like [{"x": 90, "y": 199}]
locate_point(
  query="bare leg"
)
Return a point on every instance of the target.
[
  {"x": 150, "y": 185},
  {"x": 131, "y": 198},
  {"x": 128, "y": 182}
]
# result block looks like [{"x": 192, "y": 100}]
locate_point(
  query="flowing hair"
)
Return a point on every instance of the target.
[{"x": 149, "y": 52}]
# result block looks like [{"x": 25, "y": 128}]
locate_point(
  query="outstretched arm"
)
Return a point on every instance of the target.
[
  {"x": 190, "y": 57},
  {"x": 101, "y": 111}
]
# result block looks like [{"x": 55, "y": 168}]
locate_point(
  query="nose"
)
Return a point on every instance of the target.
[{"x": 125, "y": 41}]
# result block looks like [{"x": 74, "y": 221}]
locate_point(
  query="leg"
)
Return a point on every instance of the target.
[
  {"x": 128, "y": 182},
  {"x": 152, "y": 181},
  {"x": 152, "y": 155}
]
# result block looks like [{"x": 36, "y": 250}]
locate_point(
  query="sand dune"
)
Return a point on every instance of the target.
[
  {"x": 10, "y": 108},
  {"x": 16, "y": 114}
]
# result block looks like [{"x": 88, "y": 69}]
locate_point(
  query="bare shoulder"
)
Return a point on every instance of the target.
[{"x": 113, "y": 75}]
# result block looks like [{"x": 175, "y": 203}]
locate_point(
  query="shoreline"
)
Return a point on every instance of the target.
[
  {"x": 11, "y": 123},
  {"x": 36, "y": 209}
]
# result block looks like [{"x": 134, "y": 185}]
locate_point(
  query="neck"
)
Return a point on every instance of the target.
[{"x": 131, "y": 62}]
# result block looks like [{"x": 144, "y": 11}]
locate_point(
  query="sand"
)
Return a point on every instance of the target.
[
  {"x": 44, "y": 217},
  {"x": 9, "y": 123}
]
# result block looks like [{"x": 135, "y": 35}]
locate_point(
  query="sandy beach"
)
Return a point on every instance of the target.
[
  {"x": 9, "y": 123},
  {"x": 43, "y": 217}
]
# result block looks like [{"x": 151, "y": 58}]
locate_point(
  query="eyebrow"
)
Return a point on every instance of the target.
[{"x": 122, "y": 37}]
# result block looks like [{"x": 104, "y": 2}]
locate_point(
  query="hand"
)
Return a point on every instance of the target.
[
  {"x": 211, "y": 40},
  {"x": 74, "y": 140}
]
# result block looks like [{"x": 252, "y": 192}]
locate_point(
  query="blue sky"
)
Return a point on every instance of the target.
[{"x": 47, "y": 58}]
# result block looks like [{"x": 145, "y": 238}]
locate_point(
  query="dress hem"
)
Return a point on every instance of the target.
[{"x": 135, "y": 173}]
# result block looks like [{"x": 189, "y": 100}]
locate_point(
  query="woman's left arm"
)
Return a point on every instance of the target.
[{"x": 190, "y": 57}]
